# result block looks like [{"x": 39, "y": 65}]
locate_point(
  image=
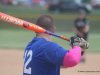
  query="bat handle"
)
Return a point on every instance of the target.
[
  {"x": 62, "y": 37},
  {"x": 65, "y": 38}
]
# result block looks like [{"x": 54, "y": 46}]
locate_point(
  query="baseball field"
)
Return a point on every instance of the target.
[{"x": 13, "y": 40}]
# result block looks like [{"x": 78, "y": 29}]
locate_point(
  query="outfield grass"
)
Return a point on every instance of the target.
[{"x": 20, "y": 38}]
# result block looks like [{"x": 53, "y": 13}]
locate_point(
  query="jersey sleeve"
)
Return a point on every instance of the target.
[
  {"x": 54, "y": 54},
  {"x": 86, "y": 22}
]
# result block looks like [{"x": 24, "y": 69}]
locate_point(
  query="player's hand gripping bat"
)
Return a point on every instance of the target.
[{"x": 27, "y": 25}]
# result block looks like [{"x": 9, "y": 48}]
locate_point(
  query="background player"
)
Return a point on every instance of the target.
[
  {"x": 43, "y": 57},
  {"x": 81, "y": 28}
]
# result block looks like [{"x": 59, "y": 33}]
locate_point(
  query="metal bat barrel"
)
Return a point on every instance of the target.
[
  {"x": 21, "y": 23},
  {"x": 27, "y": 25}
]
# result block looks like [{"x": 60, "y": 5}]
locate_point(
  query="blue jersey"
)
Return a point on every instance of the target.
[{"x": 43, "y": 57}]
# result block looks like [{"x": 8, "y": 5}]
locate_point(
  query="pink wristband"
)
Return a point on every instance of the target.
[{"x": 72, "y": 57}]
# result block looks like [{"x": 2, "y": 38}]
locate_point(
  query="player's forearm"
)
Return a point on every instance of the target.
[
  {"x": 72, "y": 57},
  {"x": 76, "y": 31},
  {"x": 86, "y": 29}
]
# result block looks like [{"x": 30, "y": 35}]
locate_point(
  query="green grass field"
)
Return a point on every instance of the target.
[
  {"x": 15, "y": 37},
  {"x": 20, "y": 38}
]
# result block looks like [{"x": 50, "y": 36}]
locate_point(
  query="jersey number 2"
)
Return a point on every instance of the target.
[{"x": 27, "y": 70}]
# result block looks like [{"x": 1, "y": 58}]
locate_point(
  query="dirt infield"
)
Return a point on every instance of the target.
[{"x": 11, "y": 63}]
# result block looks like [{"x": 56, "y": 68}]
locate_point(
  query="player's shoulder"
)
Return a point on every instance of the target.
[
  {"x": 42, "y": 42},
  {"x": 52, "y": 46},
  {"x": 85, "y": 19}
]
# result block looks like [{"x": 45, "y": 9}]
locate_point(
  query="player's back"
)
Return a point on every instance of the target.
[{"x": 36, "y": 61}]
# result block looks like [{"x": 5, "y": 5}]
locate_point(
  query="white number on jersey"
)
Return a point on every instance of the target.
[{"x": 28, "y": 71}]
